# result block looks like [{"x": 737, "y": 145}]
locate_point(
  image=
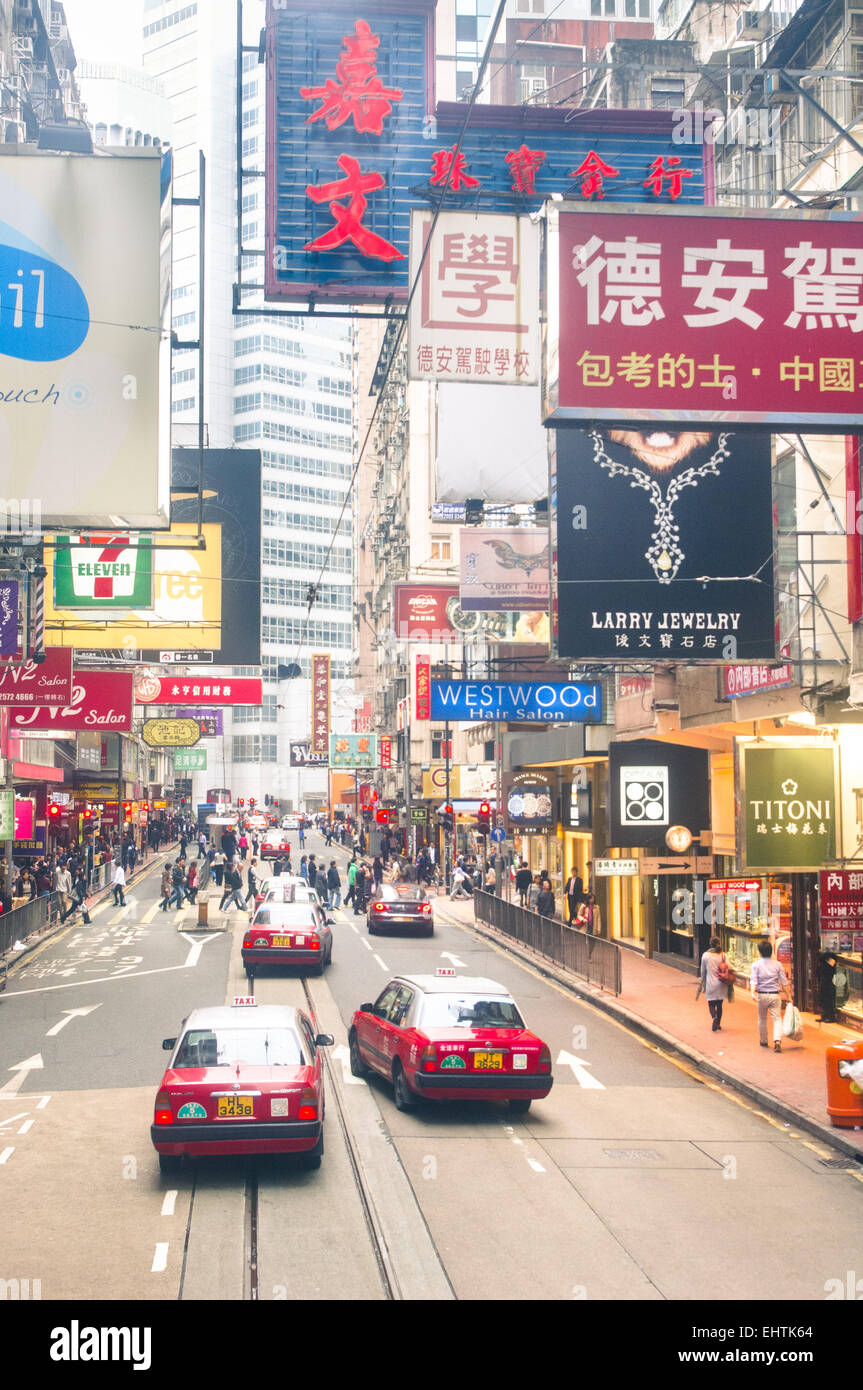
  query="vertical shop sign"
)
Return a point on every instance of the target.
[
  {"x": 320, "y": 703},
  {"x": 423, "y": 688}
]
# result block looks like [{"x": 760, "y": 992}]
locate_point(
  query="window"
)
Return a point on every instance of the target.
[
  {"x": 287, "y": 631},
  {"x": 441, "y": 548},
  {"x": 532, "y": 83},
  {"x": 182, "y": 320},
  {"x": 298, "y": 463},
  {"x": 264, "y": 713},
  {"x": 244, "y": 403},
  {"x": 301, "y": 492},
  {"x": 255, "y": 748},
  {"x": 242, "y": 433},
  {"x": 188, "y": 374},
  {"x": 251, "y": 146},
  {"x": 250, "y": 201},
  {"x": 170, "y": 20},
  {"x": 304, "y": 521},
  {"x": 250, "y": 90},
  {"x": 292, "y": 434},
  {"x": 304, "y": 555},
  {"x": 294, "y": 592},
  {"x": 188, "y": 403},
  {"x": 667, "y": 93}
]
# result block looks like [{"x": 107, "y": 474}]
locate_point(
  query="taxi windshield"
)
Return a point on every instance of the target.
[
  {"x": 469, "y": 1011},
  {"x": 252, "y": 1047}
]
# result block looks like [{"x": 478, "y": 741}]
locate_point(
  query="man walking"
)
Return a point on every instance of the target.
[
  {"x": 62, "y": 886},
  {"x": 119, "y": 882},
  {"x": 769, "y": 984},
  {"x": 252, "y": 880},
  {"x": 234, "y": 889},
  {"x": 178, "y": 885},
  {"x": 334, "y": 884},
  {"x": 523, "y": 880}
]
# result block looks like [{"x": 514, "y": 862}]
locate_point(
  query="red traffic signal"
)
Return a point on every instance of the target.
[
  {"x": 241, "y": 802},
  {"x": 251, "y": 801},
  {"x": 484, "y": 817},
  {"x": 53, "y": 810},
  {"x": 88, "y": 814}
]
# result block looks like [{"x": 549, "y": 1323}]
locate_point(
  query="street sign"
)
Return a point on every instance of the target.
[
  {"x": 498, "y": 834},
  {"x": 611, "y": 868},
  {"x": 680, "y": 864},
  {"x": 419, "y": 815}
]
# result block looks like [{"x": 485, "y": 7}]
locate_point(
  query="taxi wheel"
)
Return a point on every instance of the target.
[
  {"x": 312, "y": 1159},
  {"x": 358, "y": 1066},
  {"x": 170, "y": 1163},
  {"x": 519, "y": 1107},
  {"x": 403, "y": 1097}
]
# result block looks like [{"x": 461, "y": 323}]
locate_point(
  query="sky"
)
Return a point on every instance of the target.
[{"x": 106, "y": 30}]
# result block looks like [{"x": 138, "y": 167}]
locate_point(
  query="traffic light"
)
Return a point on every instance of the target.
[
  {"x": 446, "y": 816},
  {"x": 251, "y": 801},
  {"x": 242, "y": 801},
  {"x": 266, "y": 800},
  {"x": 484, "y": 818},
  {"x": 88, "y": 814},
  {"x": 53, "y": 811}
]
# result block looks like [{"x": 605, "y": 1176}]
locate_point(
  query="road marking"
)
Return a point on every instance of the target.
[
  {"x": 537, "y": 1167},
  {"x": 168, "y": 1204},
  {"x": 10, "y": 1120},
  {"x": 454, "y": 960},
  {"x": 160, "y": 1258},
  {"x": 43, "y": 1102},
  {"x": 150, "y": 914},
  {"x": 367, "y": 944},
  {"x": 69, "y": 1015},
  {"x": 103, "y": 979},
  {"x": 7, "y": 1154},
  {"x": 382, "y": 964},
  {"x": 582, "y": 1076},
  {"x": 27, "y": 1125},
  {"x": 195, "y": 948},
  {"x": 342, "y": 1055},
  {"x": 353, "y": 928},
  {"x": 14, "y": 1085}
]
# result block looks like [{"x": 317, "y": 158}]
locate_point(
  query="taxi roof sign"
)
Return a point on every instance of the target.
[
  {"x": 446, "y": 972},
  {"x": 244, "y": 1001}
]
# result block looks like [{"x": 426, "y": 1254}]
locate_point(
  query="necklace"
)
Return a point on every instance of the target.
[{"x": 665, "y": 555}]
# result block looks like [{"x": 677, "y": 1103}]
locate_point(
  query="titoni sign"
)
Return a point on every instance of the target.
[{"x": 789, "y": 807}]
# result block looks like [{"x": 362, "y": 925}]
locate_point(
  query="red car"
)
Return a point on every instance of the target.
[
  {"x": 287, "y": 934},
  {"x": 450, "y": 1038},
  {"x": 243, "y": 1079},
  {"x": 275, "y": 844}
]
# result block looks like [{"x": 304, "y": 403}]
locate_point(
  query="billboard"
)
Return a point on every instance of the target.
[
  {"x": 475, "y": 314},
  {"x": 320, "y": 702},
  {"x": 788, "y": 795},
  {"x": 204, "y": 601},
  {"x": 191, "y": 690},
  {"x": 420, "y": 612},
  {"x": 353, "y": 750},
  {"x": 190, "y": 760},
  {"x": 355, "y": 142},
  {"x": 518, "y": 701},
  {"x": 209, "y": 720},
  {"x": 46, "y": 683},
  {"x": 703, "y": 316},
  {"x": 303, "y": 755},
  {"x": 503, "y": 568},
  {"x": 740, "y": 681},
  {"x": 101, "y": 700},
  {"x": 653, "y": 786},
  {"x": 664, "y": 545},
  {"x": 85, "y": 337},
  {"x": 529, "y": 801},
  {"x": 103, "y": 572}
]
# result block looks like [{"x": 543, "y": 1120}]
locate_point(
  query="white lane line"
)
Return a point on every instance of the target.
[
  {"x": 69, "y": 1015},
  {"x": 103, "y": 979},
  {"x": 43, "y": 1102},
  {"x": 168, "y": 1204},
  {"x": 160, "y": 1258},
  {"x": 353, "y": 928},
  {"x": 6, "y": 1154},
  {"x": 537, "y": 1167},
  {"x": 8, "y": 1121},
  {"x": 367, "y": 944},
  {"x": 383, "y": 965},
  {"x": 27, "y": 1125}
]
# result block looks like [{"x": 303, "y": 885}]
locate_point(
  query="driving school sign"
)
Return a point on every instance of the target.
[
  {"x": 572, "y": 702},
  {"x": 703, "y": 316}
]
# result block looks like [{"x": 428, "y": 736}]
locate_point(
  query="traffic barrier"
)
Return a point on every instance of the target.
[{"x": 595, "y": 960}]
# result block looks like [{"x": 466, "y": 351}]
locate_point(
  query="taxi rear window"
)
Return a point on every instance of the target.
[
  {"x": 469, "y": 1011},
  {"x": 253, "y": 1047}
]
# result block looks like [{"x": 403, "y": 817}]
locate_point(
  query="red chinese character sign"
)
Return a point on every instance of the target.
[
  {"x": 751, "y": 320},
  {"x": 357, "y": 94},
  {"x": 475, "y": 316},
  {"x": 320, "y": 703}
]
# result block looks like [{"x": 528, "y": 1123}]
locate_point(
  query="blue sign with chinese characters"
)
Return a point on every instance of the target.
[
  {"x": 542, "y": 702},
  {"x": 354, "y": 143}
]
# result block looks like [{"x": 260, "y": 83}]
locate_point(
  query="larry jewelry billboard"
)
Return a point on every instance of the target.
[
  {"x": 664, "y": 545},
  {"x": 703, "y": 315}
]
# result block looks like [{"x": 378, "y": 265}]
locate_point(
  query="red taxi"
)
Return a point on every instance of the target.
[
  {"x": 242, "y": 1079},
  {"x": 287, "y": 933},
  {"x": 274, "y": 844},
  {"x": 448, "y": 1037}
]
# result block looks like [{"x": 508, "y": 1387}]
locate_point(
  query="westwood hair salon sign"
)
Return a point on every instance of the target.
[
  {"x": 789, "y": 801},
  {"x": 531, "y": 701}
]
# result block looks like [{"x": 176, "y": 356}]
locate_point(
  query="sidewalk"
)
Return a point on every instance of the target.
[{"x": 659, "y": 1002}]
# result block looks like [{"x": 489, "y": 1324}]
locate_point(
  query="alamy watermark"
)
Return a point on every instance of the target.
[
  {"x": 695, "y": 907},
  {"x": 21, "y": 519},
  {"x": 754, "y": 127}
]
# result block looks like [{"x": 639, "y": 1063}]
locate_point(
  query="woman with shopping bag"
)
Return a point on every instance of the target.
[{"x": 717, "y": 981}]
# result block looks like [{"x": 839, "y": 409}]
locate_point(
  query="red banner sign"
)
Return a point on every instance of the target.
[
  {"x": 422, "y": 704},
  {"x": 734, "y": 885},
  {"x": 706, "y": 318},
  {"x": 740, "y": 681},
  {"x": 189, "y": 690},
  {"x": 45, "y": 683},
  {"x": 386, "y": 749},
  {"x": 842, "y": 900},
  {"x": 320, "y": 703},
  {"x": 100, "y": 700},
  {"x": 421, "y": 612}
]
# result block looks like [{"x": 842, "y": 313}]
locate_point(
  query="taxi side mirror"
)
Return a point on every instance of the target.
[
  {"x": 324, "y": 1040},
  {"x": 168, "y": 1043},
  {"x": 331, "y": 921},
  {"x": 367, "y": 1008}
]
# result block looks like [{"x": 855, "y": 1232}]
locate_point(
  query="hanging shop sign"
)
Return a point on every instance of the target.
[
  {"x": 8, "y": 617},
  {"x": 100, "y": 700},
  {"x": 842, "y": 910},
  {"x": 653, "y": 786},
  {"x": 475, "y": 314},
  {"x": 87, "y": 248},
  {"x": 612, "y": 868},
  {"x": 789, "y": 806},
  {"x": 740, "y": 681},
  {"x": 105, "y": 571},
  {"x": 304, "y": 755},
  {"x": 171, "y": 733},
  {"x": 469, "y": 782},
  {"x": 576, "y": 809},
  {"x": 638, "y": 572},
  {"x": 320, "y": 703},
  {"x": 7, "y": 814},
  {"x": 353, "y": 750},
  {"x": 419, "y": 815},
  {"x": 355, "y": 143},
  {"x": 703, "y": 316},
  {"x": 422, "y": 696},
  {"x": 420, "y": 612},
  {"x": 529, "y": 802},
  {"x": 184, "y": 690},
  {"x": 190, "y": 760},
  {"x": 385, "y": 744},
  {"x": 528, "y": 701},
  {"x": 503, "y": 568},
  {"x": 209, "y": 721},
  {"x": 48, "y": 682}
]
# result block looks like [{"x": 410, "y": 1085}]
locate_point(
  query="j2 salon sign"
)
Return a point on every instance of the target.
[
  {"x": 100, "y": 700},
  {"x": 573, "y": 702}
]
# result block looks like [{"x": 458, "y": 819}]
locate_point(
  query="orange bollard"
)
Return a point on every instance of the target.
[{"x": 844, "y": 1096}]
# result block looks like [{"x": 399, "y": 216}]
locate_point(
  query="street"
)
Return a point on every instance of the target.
[{"x": 634, "y": 1179}]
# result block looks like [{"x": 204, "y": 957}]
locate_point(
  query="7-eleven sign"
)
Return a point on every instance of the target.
[{"x": 104, "y": 571}]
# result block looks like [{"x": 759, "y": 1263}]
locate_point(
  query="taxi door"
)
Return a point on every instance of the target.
[
  {"x": 393, "y": 1026},
  {"x": 370, "y": 1032}
]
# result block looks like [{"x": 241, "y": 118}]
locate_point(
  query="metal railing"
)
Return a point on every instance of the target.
[
  {"x": 595, "y": 960},
  {"x": 31, "y": 917}
]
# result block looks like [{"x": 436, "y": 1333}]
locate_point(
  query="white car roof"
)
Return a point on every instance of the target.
[
  {"x": 244, "y": 1016},
  {"x": 460, "y": 984}
]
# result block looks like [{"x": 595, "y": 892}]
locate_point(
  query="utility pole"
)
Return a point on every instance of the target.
[{"x": 448, "y": 830}]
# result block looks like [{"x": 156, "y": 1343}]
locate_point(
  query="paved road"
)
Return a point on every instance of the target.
[{"x": 633, "y": 1180}]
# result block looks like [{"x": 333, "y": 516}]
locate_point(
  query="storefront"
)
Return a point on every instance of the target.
[
  {"x": 841, "y": 936},
  {"x": 743, "y": 912}
]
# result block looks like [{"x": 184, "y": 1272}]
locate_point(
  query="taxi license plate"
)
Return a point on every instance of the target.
[
  {"x": 235, "y": 1107},
  {"x": 488, "y": 1061},
  {"x": 281, "y": 941}
]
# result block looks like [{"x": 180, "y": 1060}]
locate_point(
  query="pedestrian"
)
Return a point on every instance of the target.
[
  {"x": 582, "y": 917},
  {"x": 178, "y": 884},
  {"x": 352, "y": 880},
  {"x": 202, "y": 845},
  {"x": 302, "y": 834},
  {"x": 277, "y": 866},
  {"x": 825, "y": 970},
  {"x": 523, "y": 881},
  {"x": 574, "y": 893},
  {"x": 460, "y": 883},
  {"x": 119, "y": 882},
  {"x": 334, "y": 885},
  {"x": 62, "y": 886},
  {"x": 715, "y": 988},
  {"x": 328, "y": 835},
  {"x": 360, "y": 889},
  {"x": 165, "y": 888},
  {"x": 490, "y": 879},
  {"x": 252, "y": 879},
  {"x": 183, "y": 843},
  {"x": 218, "y": 866},
  {"x": 769, "y": 984},
  {"x": 244, "y": 845},
  {"x": 312, "y": 870},
  {"x": 192, "y": 882},
  {"x": 304, "y": 868},
  {"x": 234, "y": 889},
  {"x": 79, "y": 899},
  {"x": 378, "y": 870},
  {"x": 545, "y": 904}
]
